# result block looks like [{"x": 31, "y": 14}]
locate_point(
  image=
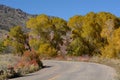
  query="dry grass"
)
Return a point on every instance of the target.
[
  {"x": 7, "y": 60},
  {"x": 14, "y": 66}
]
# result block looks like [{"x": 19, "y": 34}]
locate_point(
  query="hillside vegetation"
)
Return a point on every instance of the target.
[
  {"x": 10, "y": 17},
  {"x": 92, "y": 34}
]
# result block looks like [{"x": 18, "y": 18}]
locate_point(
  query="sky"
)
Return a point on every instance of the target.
[{"x": 65, "y": 8}]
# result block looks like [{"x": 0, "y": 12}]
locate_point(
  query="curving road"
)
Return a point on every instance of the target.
[{"x": 66, "y": 70}]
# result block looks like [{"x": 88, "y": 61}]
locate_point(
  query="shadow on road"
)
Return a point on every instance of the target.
[
  {"x": 34, "y": 73},
  {"x": 46, "y": 66}
]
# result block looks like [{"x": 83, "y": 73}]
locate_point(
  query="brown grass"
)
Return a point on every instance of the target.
[
  {"x": 15, "y": 66},
  {"x": 7, "y": 60}
]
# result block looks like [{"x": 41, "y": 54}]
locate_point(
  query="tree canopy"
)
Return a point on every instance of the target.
[
  {"x": 91, "y": 34},
  {"x": 47, "y": 30}
]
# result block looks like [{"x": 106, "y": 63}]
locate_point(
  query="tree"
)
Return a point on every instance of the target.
[
  {"x": 46, "y": 50},
  {"x": 112, "y": 50},
  {"x": 18, "y": 40},
  {"x": 47, "y": 30},
  {"x": 59, "y": 30},
  {"x": 102, "y": 17},
  {"x": 77, "y": 47},
  {"x": 75, "y": 23},
  {"x": 87, "y": 31},
  {"x": 91, "y": 33}
]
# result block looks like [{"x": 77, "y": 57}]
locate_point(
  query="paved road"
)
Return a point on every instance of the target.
[{"x": 66, "y": 70}]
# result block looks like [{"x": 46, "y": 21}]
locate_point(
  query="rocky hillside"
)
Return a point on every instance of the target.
[{"x": 10, "y": 17}]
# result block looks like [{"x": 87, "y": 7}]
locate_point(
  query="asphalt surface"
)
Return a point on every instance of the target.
[{"x": 67, "y": 70}]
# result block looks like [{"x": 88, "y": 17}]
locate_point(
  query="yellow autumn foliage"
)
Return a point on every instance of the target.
[
  {"x": 46, "y": 50},
  {"x": 112, "y": 50}
]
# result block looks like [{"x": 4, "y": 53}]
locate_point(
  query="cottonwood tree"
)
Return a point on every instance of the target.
[
  {"x": 46, "y": 29},
  {"x": 18, "y": 40},
  {"x": 112, "y": 50}
]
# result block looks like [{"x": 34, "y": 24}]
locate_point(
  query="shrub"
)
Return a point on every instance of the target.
[{"x": 30, "y": 62}]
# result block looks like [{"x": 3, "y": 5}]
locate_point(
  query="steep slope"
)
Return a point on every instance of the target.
[{"x": 10, "y": 17}]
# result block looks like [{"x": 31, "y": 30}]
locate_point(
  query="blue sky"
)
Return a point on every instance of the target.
[{"x": 65, "y": 8}]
